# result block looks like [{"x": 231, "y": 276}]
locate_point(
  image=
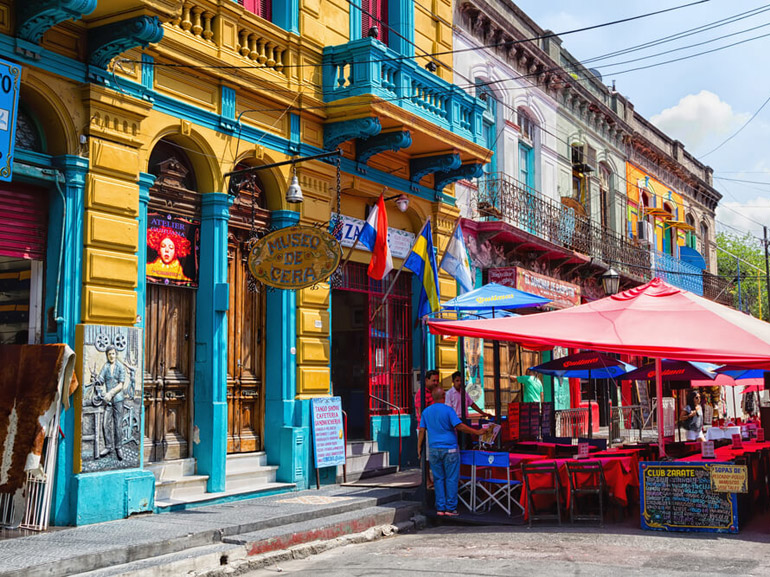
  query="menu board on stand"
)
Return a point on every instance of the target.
[
  {"x": 679, "y": 497},
  {"x": 513, "y": 421},
  {"x": 529, "y": 421},
  {"x": 546, "y": 420}
]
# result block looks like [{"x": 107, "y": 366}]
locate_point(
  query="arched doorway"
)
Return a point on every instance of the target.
[
  {"x": 245, "y": 322},
  {"x": 170, "y": 305}
]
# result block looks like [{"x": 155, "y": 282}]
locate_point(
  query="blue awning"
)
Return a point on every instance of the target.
[{"x": 692, "y": 256}]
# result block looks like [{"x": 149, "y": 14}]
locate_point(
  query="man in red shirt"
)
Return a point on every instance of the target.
[{"x": 431, "y": 382}]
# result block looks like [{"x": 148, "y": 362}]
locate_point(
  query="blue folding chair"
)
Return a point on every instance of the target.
[
  {"x": 466, "y": 491},
  {"x": 494, "y": 489}
]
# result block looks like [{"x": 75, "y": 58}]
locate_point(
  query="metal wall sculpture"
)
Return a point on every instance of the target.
[{"x": 112, "y": 398}]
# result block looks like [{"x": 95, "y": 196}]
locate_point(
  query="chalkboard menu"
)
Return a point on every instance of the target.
[{"x": 678, "y": 497}]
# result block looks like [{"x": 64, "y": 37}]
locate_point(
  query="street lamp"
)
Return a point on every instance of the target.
[
  {"x": 611, "y": 281},
  {"x": 402, "y": 201}
]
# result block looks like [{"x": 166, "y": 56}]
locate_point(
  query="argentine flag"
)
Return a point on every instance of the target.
[{"x": 455, "y": 261}]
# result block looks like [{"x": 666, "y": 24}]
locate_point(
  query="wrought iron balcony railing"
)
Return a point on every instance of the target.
[
  {"x": 368, "y": 67},
  {"x": 501, "y": 197}
]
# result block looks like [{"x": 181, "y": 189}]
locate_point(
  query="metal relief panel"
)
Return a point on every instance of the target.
[{"x": 112, "y": 394}]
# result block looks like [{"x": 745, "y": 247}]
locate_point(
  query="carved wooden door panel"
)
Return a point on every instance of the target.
[
  {"x": 245, "y": 352},
  {"x": 169, "y": 334}
]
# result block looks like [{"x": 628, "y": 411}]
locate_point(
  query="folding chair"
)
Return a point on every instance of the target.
[
  {"x": 586, "y": 478},
  {"x": 533, "y": 470},
  {"x": 466, "y": 491},
  {"x": 495, "y": 490}
]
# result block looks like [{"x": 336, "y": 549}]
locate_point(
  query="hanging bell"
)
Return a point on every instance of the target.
[{"x": 294, "y": 192}]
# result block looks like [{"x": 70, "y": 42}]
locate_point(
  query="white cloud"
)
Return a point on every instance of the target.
[
  {"x": 741, "y": 217},
  {"x": 699, "y": 119}
]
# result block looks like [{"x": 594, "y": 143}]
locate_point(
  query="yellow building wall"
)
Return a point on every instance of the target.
[{"x": 662, "y": 193}]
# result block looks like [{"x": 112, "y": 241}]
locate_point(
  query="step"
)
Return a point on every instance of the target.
[
  {"x": 369, "y": 474},
  {"x": 179, "y": 503},
  {"x": 237, "y": 462},
  {"x": 235, "y": 550},
  {"x": 171, "y": 469},
  {"x": 61, "y": 553},
  {"x": 368, "y": 462},
  {"x": 250, "y": 478},
  {"x": 189, "y": 486},
  {"x": 361, "y": 448},
  {"x": 331, "y": 527}
]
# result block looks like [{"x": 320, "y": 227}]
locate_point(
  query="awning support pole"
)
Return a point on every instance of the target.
[{"x": 659, "y": 392}]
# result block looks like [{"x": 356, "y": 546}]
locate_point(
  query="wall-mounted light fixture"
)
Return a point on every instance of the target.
[
  {"x": 431, "y": 66},
  {"x": 402, "y": 201},
  {"x": 294, "y": 192},
  {"x": 611, "y": 281}
]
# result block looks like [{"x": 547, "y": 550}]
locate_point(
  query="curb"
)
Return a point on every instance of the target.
[{"x": 273, "y": 558}]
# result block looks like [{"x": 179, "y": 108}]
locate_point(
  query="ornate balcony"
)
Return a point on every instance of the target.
[
  {"x": 367, "y": 71},
  {"x": 500, "y": 197}
]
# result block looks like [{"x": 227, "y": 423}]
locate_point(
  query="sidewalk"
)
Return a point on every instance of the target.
[{"x": 236, "y": 529}]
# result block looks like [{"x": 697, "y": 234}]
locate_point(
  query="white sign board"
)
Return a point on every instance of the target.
[
  {"x": 328, "y": 432},
  {"x": 399, "y": 241}
]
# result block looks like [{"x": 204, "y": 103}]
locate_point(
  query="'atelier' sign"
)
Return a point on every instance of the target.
[{"x": 295, "y": 257}]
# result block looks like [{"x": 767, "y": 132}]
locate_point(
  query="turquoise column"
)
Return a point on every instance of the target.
[
  {"x": 401, "y": 23},
  {"x": 145, "y": 182},
  {"x": 286, "y": 424},
  {"x": 210, "y": 444},
  {"x": 65, "y": 289}
]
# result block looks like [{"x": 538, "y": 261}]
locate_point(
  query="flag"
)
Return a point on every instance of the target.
[
  {"x": 374, "y": 236},
  {"x": 455, "y": 261},
  {"x": 422, "y": 262}
]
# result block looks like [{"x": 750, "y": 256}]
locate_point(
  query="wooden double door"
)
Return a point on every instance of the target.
[
  {"x": 169, "y": 364},
  {"x": 245, "y": 352}
]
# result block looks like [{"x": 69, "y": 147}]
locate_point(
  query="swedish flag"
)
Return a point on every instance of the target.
[{"x": 422, "y": 262}]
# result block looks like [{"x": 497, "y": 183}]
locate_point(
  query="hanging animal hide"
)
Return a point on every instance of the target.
[{"x": 33, "y": 380}]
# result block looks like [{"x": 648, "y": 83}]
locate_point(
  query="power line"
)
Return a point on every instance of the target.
[{"x": 737, "y": 132}]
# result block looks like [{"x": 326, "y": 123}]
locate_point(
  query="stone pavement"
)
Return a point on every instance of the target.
[{"x": 218, "y": 530}]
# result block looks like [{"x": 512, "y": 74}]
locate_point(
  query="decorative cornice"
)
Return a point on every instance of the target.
[
  {"x": 466, "y": 171},
  {"x": 35, "y": 17},
  {"x": 106, "y": 42},
  {"x": 419, "y": 167},
  {"x": 395, "y": 141},
  {"x": 335, "y": 133}
]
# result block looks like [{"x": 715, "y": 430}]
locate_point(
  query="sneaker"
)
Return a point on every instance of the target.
[
  {"x": 451, "y": 513},
  {"x": 441, "y": 513}
]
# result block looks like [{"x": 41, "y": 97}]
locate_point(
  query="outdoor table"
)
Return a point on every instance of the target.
[
  {"x": 715, "y": 433},
  {"x": 549, "y": 449},
  {"x": 620, "y": 473},
  {"x": 727, "y": 453}
]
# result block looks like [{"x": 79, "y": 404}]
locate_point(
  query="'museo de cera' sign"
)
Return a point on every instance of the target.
[{"x": 294, "y": 257}]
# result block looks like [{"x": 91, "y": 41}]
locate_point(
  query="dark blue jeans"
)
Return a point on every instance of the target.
[{"x": 445, "y": 465}]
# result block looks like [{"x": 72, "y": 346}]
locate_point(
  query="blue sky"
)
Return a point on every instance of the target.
[{"x": 700, "y": 101}]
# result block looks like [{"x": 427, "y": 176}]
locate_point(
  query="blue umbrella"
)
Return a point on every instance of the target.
[
  {"x": 493, "y": 296},
  {"x": 587, "y": 365},
  {"x": 739, "y": 373}
]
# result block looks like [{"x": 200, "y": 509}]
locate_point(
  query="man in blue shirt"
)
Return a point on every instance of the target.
[{"x": 442, "y": 422}]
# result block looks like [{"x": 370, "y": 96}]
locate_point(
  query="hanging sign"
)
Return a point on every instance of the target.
[
  {"x": 10, "y": 76},
  {"x": 562, "y": 294},
  {"x": 399, "y": 241},
  {"x": 328, "y": 432},
  {"x": 295, "y": 257}
]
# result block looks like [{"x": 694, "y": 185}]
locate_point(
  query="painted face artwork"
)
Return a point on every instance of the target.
[
  {"x": 167, "y": 251},
  {"x": 111, "y": 355}
]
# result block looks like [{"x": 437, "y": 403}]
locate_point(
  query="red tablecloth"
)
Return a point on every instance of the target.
[
  {"x": 727, "y": 453},
  {"x": 620, "y": 473},
  {"x": 549, "y": 449}
]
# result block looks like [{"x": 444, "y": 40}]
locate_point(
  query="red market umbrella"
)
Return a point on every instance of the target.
[{"x": 655, "y": 320}]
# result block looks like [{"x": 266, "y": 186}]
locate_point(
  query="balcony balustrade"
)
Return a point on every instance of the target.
[
  {"x": 228, "y": 31},
  {"x": 368, "y": 67},
  {"x": 501, "y": 197}
]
